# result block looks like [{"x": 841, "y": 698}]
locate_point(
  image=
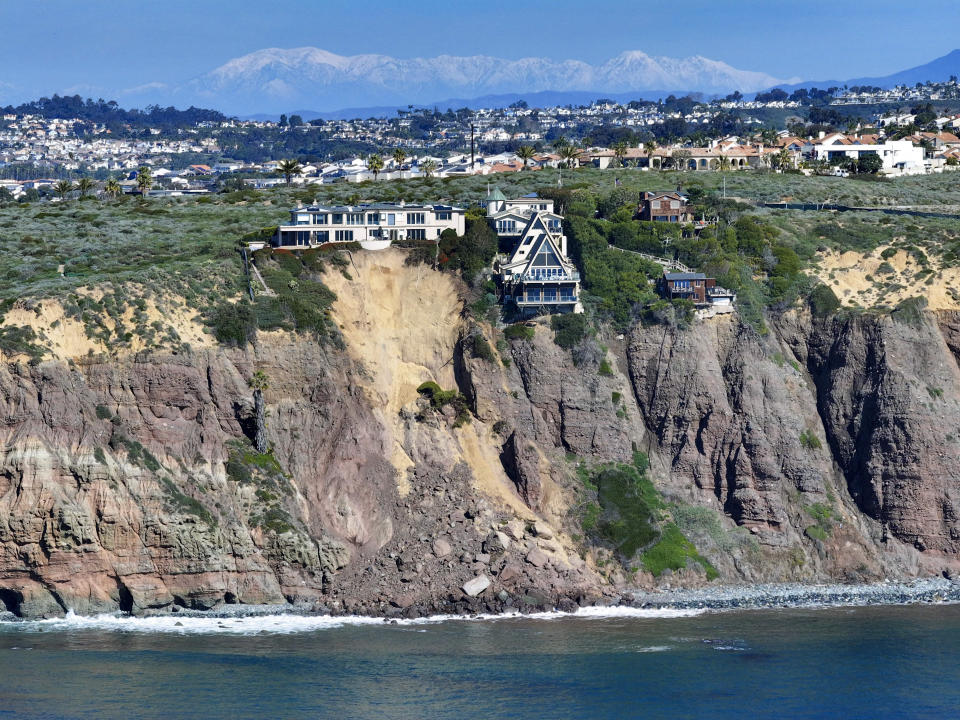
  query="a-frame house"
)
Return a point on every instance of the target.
[{"x": 538, "y": 276}]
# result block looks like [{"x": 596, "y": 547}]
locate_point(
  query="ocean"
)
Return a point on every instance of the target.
[{"x": 862, "y": 662}]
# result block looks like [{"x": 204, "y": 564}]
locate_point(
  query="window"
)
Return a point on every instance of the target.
[
  {"x": 373, "y": 218},
  {"x": 391, "y": 219},
  {"x": 302, "y": 219},
  {"x": 322, "y": 236},
  {"x": 420, "y": 234},
  {"x": 507, "y": 227},
  {"x": 344, "y": 236},
  {"x": 415, "y": 218},
  {"x": 354, "y": 218},
  {"x": 338, "y": 218},
  {"x": 320, "y": 219},
  {"x": 444, "y": 215},
  {"x": 674, "y": 204}
]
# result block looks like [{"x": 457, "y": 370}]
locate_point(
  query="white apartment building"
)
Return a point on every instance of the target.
[{"x": 374, "y": 226}]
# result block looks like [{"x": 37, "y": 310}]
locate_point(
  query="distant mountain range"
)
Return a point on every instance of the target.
[
  {"x": 268, "y": 82},
  {"x": 277, "y": 80},
  {"x": 935, "y": 71}
]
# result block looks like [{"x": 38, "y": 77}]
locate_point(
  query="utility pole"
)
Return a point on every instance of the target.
[{"x": 472, "y": 128}]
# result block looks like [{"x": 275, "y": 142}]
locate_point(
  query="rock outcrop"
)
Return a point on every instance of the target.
[{"x": 822, "y": 449}]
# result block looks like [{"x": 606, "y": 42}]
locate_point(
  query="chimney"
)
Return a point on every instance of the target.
[{"x": 821, "y": 134}]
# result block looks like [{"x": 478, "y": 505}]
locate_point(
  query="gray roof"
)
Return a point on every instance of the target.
[{"x": 684, "y": 276}]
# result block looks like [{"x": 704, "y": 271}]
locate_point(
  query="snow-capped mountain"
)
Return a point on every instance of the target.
[{"x": 278, "y": 80}]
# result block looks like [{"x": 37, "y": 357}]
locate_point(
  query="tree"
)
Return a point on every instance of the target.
[
  {"x": 680, "y": 158},
  {"x": 144, "y": 180},
  {"x": 288, "y": 168},
  {"x": 723, "y": 163},
  {"x": 560, "y": 143},
  {"x": 525, "y": 153},
  {"x": 620, "y": 151},
  {"x": 85, "y": 185},
  {"x": 399, "y": 156},
  {"x": 570, "y": 155},
  {"x": 428, "y": 167},
  {"x": 375, "y": 165},
  {"x": 649, "y": 147},
  {"x": 258, "y": 383},
  {"x": 113, "y": 188},
  {"x": 869, "y": 164},
  {"x": 783, "y": 159},
  {"x": 62, "y": 187}
]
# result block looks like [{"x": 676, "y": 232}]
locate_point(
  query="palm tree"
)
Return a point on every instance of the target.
[
  {"x": 560, "y": 143},
  {"x": 428, "y": 167},
  {"x": 375, "y": 165},
  {"x": 289, "y": 168},
  {"x": 620, "y": 151},
  {"x": 85, "y": 185},
  {"x": 62, "y": 188},
  {"x": 570, "y": 155},
  {"x": 113, "y": 188},
  {"x": 399, "y": 156},
  {"x": 783, "y": 159},
  {"x": 258, "y": 383},
  {"x": 723, "y": 163},
  {"x": 650, "y": 147},
  {"x": 144, "y": 180},
  {"x": 525, "y": 153}
]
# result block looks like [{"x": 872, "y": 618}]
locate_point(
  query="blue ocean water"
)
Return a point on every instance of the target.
[{"x": 871, "y": 662}]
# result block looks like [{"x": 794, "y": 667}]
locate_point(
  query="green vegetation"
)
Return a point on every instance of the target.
[
  {"x": 20, "y": 340},
  {"x": 439, "y": 398},
  {"x": 809, "y": 440},
  {"x": 823, "y": 516},
  {"x": 569, "y": 329},
  {"x": 605, "y": 369},
  {"x": 910, "y": 311},
  {"x": 625, "y": 512},
  {"x": 245, "y": 466},
  {"x": 519, "y": 331},
  {"x": 823, "y": 301},
  {"x": 480, "y": 348}
]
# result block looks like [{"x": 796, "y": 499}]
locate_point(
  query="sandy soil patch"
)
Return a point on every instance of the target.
[{"x": 869, "y": 279}]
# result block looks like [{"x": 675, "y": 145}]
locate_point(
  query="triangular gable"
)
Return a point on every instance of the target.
[{"x": 535, "y": 240}]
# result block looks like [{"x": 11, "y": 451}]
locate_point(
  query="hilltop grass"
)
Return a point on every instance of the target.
[{"x": 187, "y": 247}]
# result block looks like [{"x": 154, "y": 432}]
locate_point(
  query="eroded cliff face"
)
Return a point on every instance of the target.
[{"x": 822, "y": 449}]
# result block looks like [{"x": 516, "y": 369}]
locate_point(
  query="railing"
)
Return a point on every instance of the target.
[
  {"x": 545, "y": 277},
  {"x": 667, "y": 263}
]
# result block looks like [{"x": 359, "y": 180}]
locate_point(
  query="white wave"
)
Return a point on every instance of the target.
[{"x": 283, "y": 624}]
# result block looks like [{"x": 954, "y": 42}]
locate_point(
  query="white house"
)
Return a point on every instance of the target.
[
  {"x": 899, "y": 156},
  {"x": 374, "y": 226}
]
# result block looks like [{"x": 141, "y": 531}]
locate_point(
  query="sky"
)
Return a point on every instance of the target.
[{"x": 101, "y": 47}]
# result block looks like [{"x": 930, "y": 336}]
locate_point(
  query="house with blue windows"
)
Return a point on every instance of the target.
[
  {"x": 536, "y": 276},
  {"x": 375, "y": 226}
]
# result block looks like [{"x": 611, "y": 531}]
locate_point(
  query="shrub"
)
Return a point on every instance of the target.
[
  {"x": 910, "y": 311},
  {"x": 809, "y": 440},
  {"x": 519, "y": 331},
  {"x": 605, "y": 368},
  {"x": 568, "y": 329},
  {"x": 234, "y": 324},
  {"x": 823, "y": 301},
  {"x": 480, "y": 348},
  {"x": 672, "y": 551},
  {"x": 103, "y": 412}
]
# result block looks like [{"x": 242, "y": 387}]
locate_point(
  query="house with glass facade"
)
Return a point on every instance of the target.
[
  {"x": 536, "y": 275},
  {"x": 375, "y": 226}
]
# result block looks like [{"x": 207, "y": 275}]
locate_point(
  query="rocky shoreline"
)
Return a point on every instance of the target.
[{"x": 720, "y": 598}]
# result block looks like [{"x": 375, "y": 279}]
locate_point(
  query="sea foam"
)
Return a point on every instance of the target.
[{"x": 291, "y": 623}]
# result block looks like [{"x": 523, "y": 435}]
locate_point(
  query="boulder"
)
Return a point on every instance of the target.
[
  {"x": 476, "y": 586},
  {"x": 441, "y": 548},
  {"x": 537, "y": 558},
  {"x": 522, "y": 463}
]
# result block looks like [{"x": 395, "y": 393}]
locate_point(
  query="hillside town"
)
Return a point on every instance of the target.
[{"x": 804, "y": 131}]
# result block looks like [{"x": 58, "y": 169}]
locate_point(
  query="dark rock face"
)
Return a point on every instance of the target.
[
  {"x": 522, "y": 463},
  {"x": 888, "y": 394}
]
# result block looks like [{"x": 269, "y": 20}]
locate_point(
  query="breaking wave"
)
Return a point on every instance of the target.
[{"x": 285, "y": 624}]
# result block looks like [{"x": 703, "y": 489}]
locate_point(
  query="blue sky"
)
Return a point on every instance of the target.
[{"x": 100, "y": 47}]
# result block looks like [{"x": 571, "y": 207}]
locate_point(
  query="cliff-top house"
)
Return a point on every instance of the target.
[
  {"x": 374, "y": 226},
  {"x": 536, "y": 275}
]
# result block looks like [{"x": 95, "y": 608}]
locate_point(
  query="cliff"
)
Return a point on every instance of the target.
[{"x": 824, "y": 449}]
